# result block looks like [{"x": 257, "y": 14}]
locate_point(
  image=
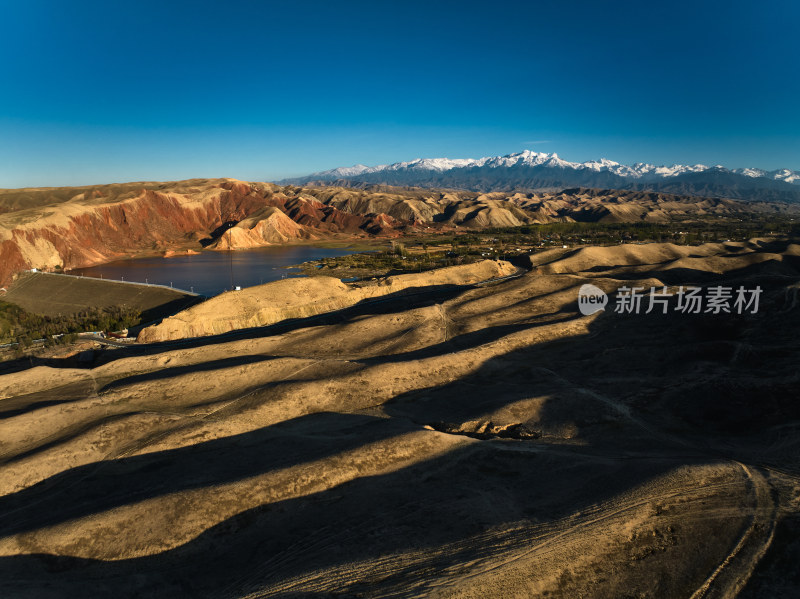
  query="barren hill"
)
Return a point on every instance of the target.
[
  {"x": 299, "y": 298},
  {"x": 472, "y": 442}
]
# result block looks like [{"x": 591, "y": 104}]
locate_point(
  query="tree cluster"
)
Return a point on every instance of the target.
[{"x": 18, "y": 325}]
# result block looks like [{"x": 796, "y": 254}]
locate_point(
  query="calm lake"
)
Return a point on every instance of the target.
[{"x": 209, "y": 272}]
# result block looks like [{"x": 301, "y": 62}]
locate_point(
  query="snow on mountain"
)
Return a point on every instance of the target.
[
  {"x": 678, "y": 169},
  {"x": 526, "y": 158},
  {"x": 750, "y": 172},
  {"x": 350, "y": 171},
  {"x": 431, "y": 164},
  {"x": 604, "y": 164},
  {"x": 529, "y": 158},
  {"x": 785, "y": 174}
]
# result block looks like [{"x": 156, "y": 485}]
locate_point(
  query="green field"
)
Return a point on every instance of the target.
[
  {"x": 54, "y": 294},
  {"x": 42, "y": 304}
]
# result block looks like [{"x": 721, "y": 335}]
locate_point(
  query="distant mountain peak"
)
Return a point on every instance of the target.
[{"x": 538, "y": 170}]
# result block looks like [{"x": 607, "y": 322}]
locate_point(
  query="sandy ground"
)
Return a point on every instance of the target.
[{"x": 468, "y": 441}]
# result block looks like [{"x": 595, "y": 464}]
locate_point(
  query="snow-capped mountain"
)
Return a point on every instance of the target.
[
  {"x": 427, "y": 164},
  {"x": 529, "y": 170}
]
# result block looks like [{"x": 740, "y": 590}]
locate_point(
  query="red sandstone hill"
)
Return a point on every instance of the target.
[{"x": 107, "y": 222}]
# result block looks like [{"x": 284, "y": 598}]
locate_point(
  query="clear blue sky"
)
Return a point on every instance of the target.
[{"x": 94, "y": 92}]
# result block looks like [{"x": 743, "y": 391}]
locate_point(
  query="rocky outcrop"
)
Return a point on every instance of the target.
[
  {"x": 265, "y": 227},
  {"x": 85, "y": 231}
]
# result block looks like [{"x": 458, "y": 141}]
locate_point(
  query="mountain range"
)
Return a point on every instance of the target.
[{"x": 535, "y": 171}]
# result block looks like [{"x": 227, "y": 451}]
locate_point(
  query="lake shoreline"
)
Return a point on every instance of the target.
[
  {"x": 211, "y": 272},
  {"x": 357, "y": 245}
]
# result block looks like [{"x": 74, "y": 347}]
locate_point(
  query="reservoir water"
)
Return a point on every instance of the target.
[{"x": 210, "y": 272}]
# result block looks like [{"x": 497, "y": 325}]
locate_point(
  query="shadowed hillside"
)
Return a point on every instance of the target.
[{"x": 474, "y": 441}]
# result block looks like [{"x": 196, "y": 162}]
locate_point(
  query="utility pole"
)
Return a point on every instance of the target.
[{"x": 230, "y": 257}]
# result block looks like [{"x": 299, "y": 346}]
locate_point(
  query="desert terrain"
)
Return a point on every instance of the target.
[{"x": 466, "y": 434}]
